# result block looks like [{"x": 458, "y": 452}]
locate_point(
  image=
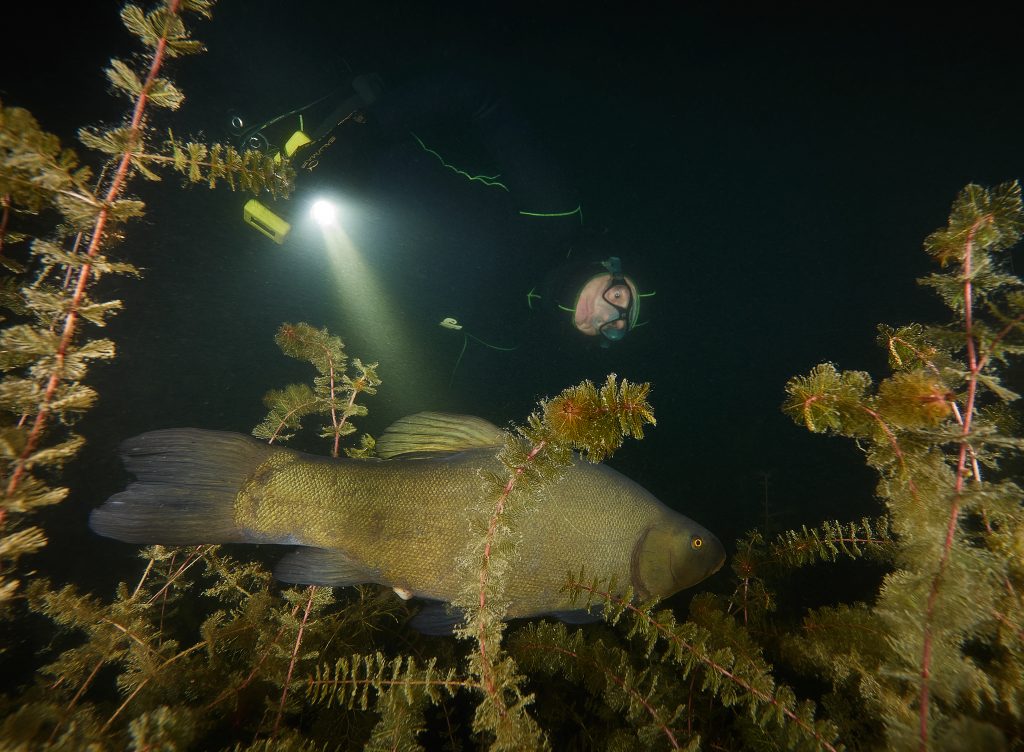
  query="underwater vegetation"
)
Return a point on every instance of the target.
[
  {"x": 936, "y": 658},
  {"x": 203, "y": 649},
  {"x": 71, "y": 224}
]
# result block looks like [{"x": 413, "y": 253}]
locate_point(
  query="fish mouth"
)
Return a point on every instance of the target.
[
  {"x": 719, "y": 565},
  {"x": 721, "y": 559}
]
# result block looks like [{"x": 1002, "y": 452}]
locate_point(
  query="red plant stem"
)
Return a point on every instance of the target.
[
  {"x": 5, "y": 202},
  {"x": 670, "y": 636},
  {"x": 344, "y": 419},
  {"x": 487, "y": 680},
  {"x": 284, "y": 420},
  {"x": 193, "y": 558},
  {"x": 952, "y": 403},
  {"x": 85, "y": 684},
  {"x": 291, "y": 665},
  {"x": 983, "y": 361},
  {"x": 142, "y": 580},
  {"x": 975, "y": 365},
  {"x": 163, "y": 605},
  {"x": 95, "y": 243},
  {"x": 890, "y": 436},
  {"x": 895, "y": 446},
  {"x": 689, "y": 706},
  {"x": 144, "y": 682},
  {"x": 81, "y": 690},
  {"x": 255, "y": 670},
  {"x": 334, "y": 414},
  {"x": 621, "y": 683}
]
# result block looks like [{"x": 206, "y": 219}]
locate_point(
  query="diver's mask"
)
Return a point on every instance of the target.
[
  {"x": 607, "y": 304},
  {"x": 620, "y": 295}
]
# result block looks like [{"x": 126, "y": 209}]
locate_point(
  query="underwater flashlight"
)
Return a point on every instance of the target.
[
  {"x": 260, "y": 216},
  {"x": 323, "y": 212},
  {"x": 357, "y": 94}
]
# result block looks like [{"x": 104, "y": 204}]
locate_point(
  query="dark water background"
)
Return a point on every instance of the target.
[{"x": 771, "y": 177}]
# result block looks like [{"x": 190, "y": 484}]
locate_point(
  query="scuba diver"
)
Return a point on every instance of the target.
[{"x": 601, "y": 302}]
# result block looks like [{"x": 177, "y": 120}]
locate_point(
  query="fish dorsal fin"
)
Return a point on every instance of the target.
[{"x": 428, "y": 432}]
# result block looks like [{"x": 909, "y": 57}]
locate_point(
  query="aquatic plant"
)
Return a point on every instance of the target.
[
  {"x": 582, "y": 418},
  {"x": 652, "y": 680},
  {"x": 253, "y": 640},
  {"x": 254, "y": 643},
  {"x": 333, "y": 393},
  {"x": 935, "y": 661},
  {"x": 50, "y": 286},
  {"x": 943, "y": 667},
  {"x": 204, "y": 650}
]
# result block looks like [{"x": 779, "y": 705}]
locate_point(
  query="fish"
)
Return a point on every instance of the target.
[{"x": 403, "y": 519}]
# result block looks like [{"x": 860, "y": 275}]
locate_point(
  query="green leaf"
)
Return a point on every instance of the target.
[
  {"x": 981, "y": 220},
  {"x": 56, "y": 454},
  {"x": 827, "y": 400},
  {"x": 21, "y": 543},
  {"x": 165, "y": 94},
  {"x": 124, "y": 209},
  {"x": 124, "y": 78},
  {"x": 97, "y": 313},
  {"x": 26, "y": 339},
  {"x": 74, "y": 398},
  {"x": 19, "y": 396},
  {"x": 112, "y": 141}
]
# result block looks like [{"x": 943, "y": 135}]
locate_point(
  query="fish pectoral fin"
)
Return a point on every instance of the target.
[
  {"x": 437, "y": 618},
  {"x": 323, "y": 566},
  {"x": 428, "y": 433}
]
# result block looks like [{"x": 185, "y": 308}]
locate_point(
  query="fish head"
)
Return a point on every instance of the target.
[{"x": 673, "y": 555}]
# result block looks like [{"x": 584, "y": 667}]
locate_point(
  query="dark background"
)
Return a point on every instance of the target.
[{"x": 770, "y": 175}]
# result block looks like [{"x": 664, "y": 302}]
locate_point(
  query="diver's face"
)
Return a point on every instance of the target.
[{"x": 603, "y": 308}]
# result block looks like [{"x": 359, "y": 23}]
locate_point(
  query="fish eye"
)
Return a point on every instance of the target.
[{"x": 696, "y": 541}]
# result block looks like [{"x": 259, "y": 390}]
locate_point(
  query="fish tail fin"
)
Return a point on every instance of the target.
[{"x": 185, "y": 488}]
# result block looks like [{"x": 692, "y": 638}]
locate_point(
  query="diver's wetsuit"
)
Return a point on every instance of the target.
[{"x": 463, "y": 105}]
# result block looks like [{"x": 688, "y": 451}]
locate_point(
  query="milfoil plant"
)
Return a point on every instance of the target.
[
  {"x": 938, "y": 659},
  {"x": 59, "y": 230}
]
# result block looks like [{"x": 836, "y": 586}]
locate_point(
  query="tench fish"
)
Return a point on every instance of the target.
[{"x": 403, "y": 520}]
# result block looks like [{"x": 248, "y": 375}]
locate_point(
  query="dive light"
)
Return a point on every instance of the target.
[
  {"x": 364, "y": 91},
  {"x": 257, "y": 214}
]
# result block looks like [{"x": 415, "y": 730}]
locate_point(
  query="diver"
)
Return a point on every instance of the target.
[{"x": 602, "y": 302}]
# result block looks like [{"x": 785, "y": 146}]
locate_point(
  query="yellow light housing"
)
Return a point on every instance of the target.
[
  {"x": 265, "y": 221},
  {"x": 295, "y": 142},
  {"x": 258, "y": 215}
]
